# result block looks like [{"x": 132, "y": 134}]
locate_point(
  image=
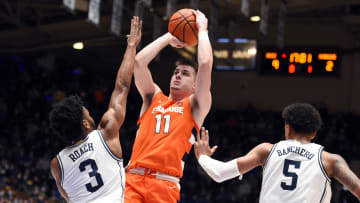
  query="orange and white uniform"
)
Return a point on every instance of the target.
[{"x": 166, "y": 133}]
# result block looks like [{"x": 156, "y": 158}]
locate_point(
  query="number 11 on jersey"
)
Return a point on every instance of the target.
[{"x": 159, "y": 119}]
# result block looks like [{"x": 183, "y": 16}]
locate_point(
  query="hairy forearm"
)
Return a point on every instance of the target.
[
  {"x": 147, "y": 54},
  {"x": 124, "y": 75}
]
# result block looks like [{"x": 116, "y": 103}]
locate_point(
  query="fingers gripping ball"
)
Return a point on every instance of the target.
[{"x": 182, "y": 25}]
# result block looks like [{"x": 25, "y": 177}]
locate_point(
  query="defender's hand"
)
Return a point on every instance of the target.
[
  {"x": 201, "y": 146},
  {"x": 134, "y": 37}
]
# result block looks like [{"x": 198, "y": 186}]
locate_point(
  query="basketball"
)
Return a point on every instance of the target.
[{"x": 182, "y": 25}]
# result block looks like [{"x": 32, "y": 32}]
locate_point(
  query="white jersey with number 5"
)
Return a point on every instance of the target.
[
  {"x": 90, "y": 172},
  {"x": 293, "y": 172}
]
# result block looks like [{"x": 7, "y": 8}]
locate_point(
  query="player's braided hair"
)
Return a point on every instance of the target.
[
  {"x": 302, "y": 118},
  {"x": 66, "y": 119}
]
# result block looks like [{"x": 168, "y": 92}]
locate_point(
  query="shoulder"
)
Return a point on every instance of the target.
[
  {"x": 262, "y": 151},
  {"x": 148, "y": 98},
  {"x": 331, "y": 161},
  {"x": 54, "y": 167}
]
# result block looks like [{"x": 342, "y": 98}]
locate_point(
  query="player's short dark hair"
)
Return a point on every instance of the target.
[
  {"x": 302, "y": 118},
  {"x": 186, "y": 62},
  {"x": 66, "y": 119}
]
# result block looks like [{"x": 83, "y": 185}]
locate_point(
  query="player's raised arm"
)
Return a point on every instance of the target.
[
  {"x": 143, "y": 79},
  {"x": 201, "y": 101},
  {"x": 114, "y": 117},
  {"x": 221, "y": 171},
  {"x": 337, "y": 167}
]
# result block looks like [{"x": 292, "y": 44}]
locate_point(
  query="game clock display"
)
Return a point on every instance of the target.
[{"x": 302, "y": 62}]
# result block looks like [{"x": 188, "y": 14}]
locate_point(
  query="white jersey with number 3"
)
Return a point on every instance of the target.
[
  {"x": 294, "y": 173},
  {"x": 90, "y": 172}
]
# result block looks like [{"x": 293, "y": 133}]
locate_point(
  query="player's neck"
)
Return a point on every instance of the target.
[
  {"x": 302, "y": 138},
  {"x": 177, "y": 96}
]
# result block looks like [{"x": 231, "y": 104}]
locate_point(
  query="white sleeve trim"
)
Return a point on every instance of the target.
[{"x": 219, "y": 171}]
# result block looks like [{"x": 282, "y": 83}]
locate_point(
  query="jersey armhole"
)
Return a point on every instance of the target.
[
  {"x": 271, "y": 152},
  {"x": 61, "y": 170},
  {"x": 192, "y": 116},
  {"x": 321, "y": 164},
  {"x": 107, "y": 147},
  {"x": 155, "y": 98}
]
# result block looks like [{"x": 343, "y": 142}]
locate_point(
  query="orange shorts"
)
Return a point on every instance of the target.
[{"x": 147, "y": 189}]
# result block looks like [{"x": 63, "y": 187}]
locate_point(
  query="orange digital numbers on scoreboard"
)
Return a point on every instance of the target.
[
  {"x": 301, "y": 61},
  {"x": 327, "y": 56},
  {"x": 302, "y": 57},
  {"x": 329, "y": 66},
  {"x": 270, "y": 55},
  {"x": 276, "y": 64}
]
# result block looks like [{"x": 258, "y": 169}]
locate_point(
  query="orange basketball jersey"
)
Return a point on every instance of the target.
[{"x": 165, "y": 136}]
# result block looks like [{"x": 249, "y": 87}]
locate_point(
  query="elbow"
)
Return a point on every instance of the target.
[
  {"x": 218, "y": 178},
  {"x": 123, "y": 86},
  {"x": 139, "y": 61},
  {"x": 206, "y": 63}
]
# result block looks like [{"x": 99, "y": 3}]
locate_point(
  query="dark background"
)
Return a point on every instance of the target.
[{"x": 39, "y": 67}]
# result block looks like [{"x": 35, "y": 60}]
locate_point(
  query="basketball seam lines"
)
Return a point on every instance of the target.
[
  {"x": 184, "y": 32},
  {"x": 180, "y": 23},
  {"x": 177, "y": 27},
  {"x": 187, "y": 22}
]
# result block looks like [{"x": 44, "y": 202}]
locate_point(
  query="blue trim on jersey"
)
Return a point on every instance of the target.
[
  {"x": 321, "y": 164},
  {"x": 61, "y": 169},
  {"x": 324, "y": 192},
  {"x": 107, "y": 147},
  {"x": 121, "y": 165},
  {"x": 82, "y": 141},
  {"x": 272, "y": 150}
]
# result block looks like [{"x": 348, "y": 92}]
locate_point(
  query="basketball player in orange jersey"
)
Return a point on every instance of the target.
[
  {"x": 167, "y": 124},
  {"x": 90, "y": 167}
]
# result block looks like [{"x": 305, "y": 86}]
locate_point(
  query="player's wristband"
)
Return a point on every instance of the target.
[
  {"x": 203, "y": 35},
  {"x": 219, "y": 171}
]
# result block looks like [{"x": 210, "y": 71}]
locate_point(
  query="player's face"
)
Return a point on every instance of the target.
[
  {"x": 183, "y": 79},
  {"x": 89, "y": 121}
]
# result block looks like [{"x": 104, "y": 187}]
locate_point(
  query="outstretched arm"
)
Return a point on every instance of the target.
[
  {"x": 142, "y": 75},
  {"x": 337, "y": 167},
  {"x": 221, "y": 171},
  {"x": 114, "y": 117},
  {"x": 201, "y": 100}
]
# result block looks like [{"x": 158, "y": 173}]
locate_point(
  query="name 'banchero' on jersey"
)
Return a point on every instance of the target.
[{"x": 293, "y": 172}]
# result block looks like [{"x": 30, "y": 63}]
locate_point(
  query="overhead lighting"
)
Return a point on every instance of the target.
[
  {"x": 255, "y": 18},
  {"x": 78, "y": 45}
]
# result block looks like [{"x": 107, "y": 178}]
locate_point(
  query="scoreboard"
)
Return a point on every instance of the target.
[
  {"x": 305, "y": 62},
  {"x": 234, "y": 54}
]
